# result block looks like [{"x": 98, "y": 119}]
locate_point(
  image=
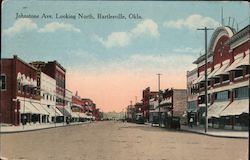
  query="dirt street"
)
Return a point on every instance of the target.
[{"x": 119, "y": 141}]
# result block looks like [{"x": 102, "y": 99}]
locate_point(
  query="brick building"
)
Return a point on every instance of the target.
[
  {"x": 172, "y": 102},
  {"x": 146, "y": 96},
  {"x": 228, "y": 80},
  {"x": 57, "y": 72},
  {"x": 20, "y": 102}
]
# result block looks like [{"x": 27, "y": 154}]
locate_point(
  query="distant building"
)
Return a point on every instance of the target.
[
  {"x": 146, "y": 96},
  {"x": 172, "y": 102},
  {"x": 192, "y": 96}
]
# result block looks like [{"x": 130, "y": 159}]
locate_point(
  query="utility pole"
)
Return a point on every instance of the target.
[
  {"x": 206, "y": 120},
  {"x": 159, "y": 112}
]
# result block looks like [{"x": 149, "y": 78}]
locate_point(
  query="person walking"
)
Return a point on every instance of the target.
[{"x": 191, "y": 122}]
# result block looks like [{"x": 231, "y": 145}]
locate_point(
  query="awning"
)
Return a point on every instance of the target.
[
  {"x": 75, "y": 114},
  {"x": 222, "y": 70},
  {"x": 234, "y": 65},
  {"x": 216, "y": 108},
  {"x": 166, "y": 102},
  {"x": 216, "y": 68},
  {"x": 58, "y": 113},
  {"x": 237, "y": 107},
  {"x": 51, "y": 109},
  {"x": 245, "y": 61},
  {"x": 27, "y": 107},
  {"x": 64, "y": 111},
  {"x": 40, "y": 108},
  {"x": 82, "y": 115},
  {"x": 203, "y": 77}
]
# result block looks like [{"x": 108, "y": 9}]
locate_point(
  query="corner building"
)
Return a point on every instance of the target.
[{"x": 228, "y": 80}]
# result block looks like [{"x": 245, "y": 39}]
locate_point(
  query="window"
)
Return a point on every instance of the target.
[
  {"x": 24, "y": 89},
  {"x": 224, "y": 95},
  {"x": 216, "y": 80},
  {"x": 47, "y": 97},
  {"x": 247, "y": 70},
  {"x": 3, "y": 82},
  {"x": 238, "y": 73},
  {"x": 225, "y": 78},
  {"x": 19, "y": 86},
  {"x": 242, "y": 92}
]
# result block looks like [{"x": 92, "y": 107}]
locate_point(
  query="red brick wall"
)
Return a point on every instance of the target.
[
  {"x": 7, "y": 95},
  {"x": 217, "y": 57},
  {"x": 242, "y": 48},
  {"x": 10, "y": 68}
]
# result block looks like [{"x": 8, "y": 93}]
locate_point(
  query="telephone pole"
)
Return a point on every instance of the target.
[
  {"x": 159, "y": 113},
  {"x": 206, "y": 84}
]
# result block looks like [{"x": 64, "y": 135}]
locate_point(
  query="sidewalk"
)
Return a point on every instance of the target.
[
  {"x": 216, "y": 132},
  {"x": 34, "y": 127}
]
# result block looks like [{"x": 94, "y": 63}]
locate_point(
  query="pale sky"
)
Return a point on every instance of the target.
[{"x": 112, "y": 61}]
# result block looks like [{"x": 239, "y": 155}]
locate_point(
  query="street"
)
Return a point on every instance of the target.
[{"x": 110, "y": 140}]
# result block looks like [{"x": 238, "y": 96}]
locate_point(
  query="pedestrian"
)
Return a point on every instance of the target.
[{"x": 191, "y": 122}]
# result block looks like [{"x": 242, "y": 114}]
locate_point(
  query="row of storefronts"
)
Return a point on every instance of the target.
[
  {"x": 227, "y": 81},
  {"x": 156, "y": 107},
  {"x": 35, "y": 93}
]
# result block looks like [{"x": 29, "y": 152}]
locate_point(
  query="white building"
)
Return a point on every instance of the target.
[{"x": 48, "y": 96}]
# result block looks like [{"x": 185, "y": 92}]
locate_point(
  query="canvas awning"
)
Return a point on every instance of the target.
[
  {"x": 245, "y": 61},
  {"x": 216, "y": 68},
  {"x": 82, "y": 115},
  {"x": 216, "y": 108},
  {"x": 234, "y": 65},
  {"x": 50, "y": 109},
  {"x": 203, "y": 77},
  {"x": 221, "y": 70},
  {"x": 27, "y": 107},
  {"x": 64, "y": 111},
  {"x": 75, "y": 114},
  {"x": 237, "y": 107},
  {"x": 58, "y": 113},
  {"x": 39, "y": 107}
]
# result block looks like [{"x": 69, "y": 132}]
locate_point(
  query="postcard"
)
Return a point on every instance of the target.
[{"x": 124, "y": 80}]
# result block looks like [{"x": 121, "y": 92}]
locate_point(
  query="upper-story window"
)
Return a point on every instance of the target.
[
  {"x": 220, "y": 96},
  {"x": 225, "y": 77},
  {"x": 242, "y": 92},
  {"x": 216, "y": 80},
  {"x": 238, "y": 73},
  {"x": 247, "y": 69},
  {"x": 18, "y": 86},
  {"x": 3, "y": 82}
]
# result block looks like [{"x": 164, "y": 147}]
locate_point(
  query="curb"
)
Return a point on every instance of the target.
[
  {"x": 212, "y": 135},
  {"x": 38, "y": 129}
]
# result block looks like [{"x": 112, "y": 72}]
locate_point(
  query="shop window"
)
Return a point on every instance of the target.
[
  {"x": 242, "y": 92},
  {"x": 3, "y": 82},
  {"x": 225, "y": 78},
  {"x": 220, "y": 96},
  {"x": 238, "y": 73}
]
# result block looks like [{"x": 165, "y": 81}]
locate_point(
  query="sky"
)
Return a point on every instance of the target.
[{"x": 112, "y": 60}]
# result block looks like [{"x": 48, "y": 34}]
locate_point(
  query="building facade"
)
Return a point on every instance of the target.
[
  {"x": 20, "y": 103},
  {"x": 228, "y": 79}
]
